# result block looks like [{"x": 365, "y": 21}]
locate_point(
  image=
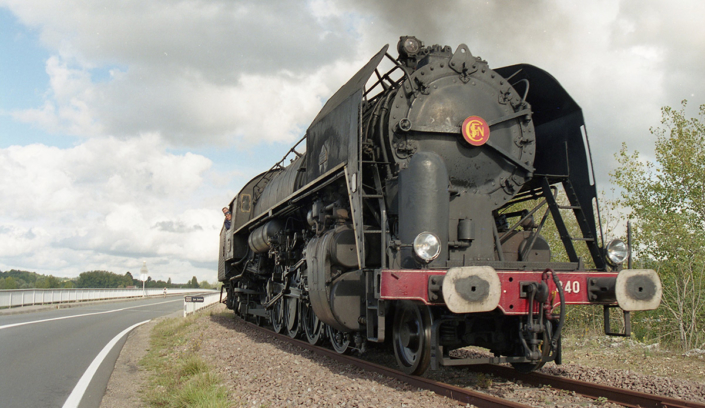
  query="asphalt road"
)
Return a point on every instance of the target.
[{"x": 44, "y": 354}]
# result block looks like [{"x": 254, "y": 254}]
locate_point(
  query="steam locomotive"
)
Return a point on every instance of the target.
[{"x": 417, "y": 209}]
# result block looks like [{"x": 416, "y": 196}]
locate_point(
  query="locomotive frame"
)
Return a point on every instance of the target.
[{"x": 396, "y": 217}]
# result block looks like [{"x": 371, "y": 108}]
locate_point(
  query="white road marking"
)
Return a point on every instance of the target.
[
  {"x": 77, "y": 394},
  {"x": 7, "y": 326}
]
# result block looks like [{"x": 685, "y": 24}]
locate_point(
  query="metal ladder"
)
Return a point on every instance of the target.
[
  {"x": 579, "y": 212},
  {"x": 375, "y": 311}
]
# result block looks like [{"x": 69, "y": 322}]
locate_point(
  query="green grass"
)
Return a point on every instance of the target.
[{"x": 178, "y": 376}]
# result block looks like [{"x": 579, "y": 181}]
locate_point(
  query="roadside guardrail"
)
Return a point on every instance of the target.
[
  {"x": 10, "y": 298},
  {"x": 197, "y": 302}
]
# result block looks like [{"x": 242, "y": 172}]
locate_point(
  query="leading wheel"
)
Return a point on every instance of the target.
[
  {"x": 412, "y": 337},
  {"x": 339, "y": 340}
]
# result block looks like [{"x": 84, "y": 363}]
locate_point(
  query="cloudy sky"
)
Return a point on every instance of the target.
[{"x": 125, "y": 126}]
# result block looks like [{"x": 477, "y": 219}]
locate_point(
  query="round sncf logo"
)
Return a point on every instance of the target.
[{"x": 476, "y": 131}]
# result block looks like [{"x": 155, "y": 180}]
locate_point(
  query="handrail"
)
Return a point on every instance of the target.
[{"x": 10, "y": 298}]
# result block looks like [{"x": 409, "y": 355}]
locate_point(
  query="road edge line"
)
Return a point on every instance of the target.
[
  {"x": 77, "y": 394},
  {"x": 8, "y": 326}
]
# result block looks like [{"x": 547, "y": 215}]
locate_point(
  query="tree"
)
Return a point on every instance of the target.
[
  {"x": 128, "y": 280},
  {"x": 194, "y": 283},
  {"x": 22, "y": 279},
  {"x": 101, "y": 279},
  {"x": 8, "y": 283},
  {"x": 47, "y": 282},
  {"x": 666, "y": 198}
]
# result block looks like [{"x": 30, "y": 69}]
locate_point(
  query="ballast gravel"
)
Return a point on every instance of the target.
[
  {"x": 669, "y": 387},
  {"x": 261, "y": 371}
]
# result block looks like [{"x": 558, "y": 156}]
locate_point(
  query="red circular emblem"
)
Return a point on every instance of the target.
[{"x": 475, "y": 131}]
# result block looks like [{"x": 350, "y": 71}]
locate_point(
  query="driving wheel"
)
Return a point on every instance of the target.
[
  {"x": 293, "y": 323},
  {"x": 276, "y": 316},
  {"x": 312, "y": 326}
]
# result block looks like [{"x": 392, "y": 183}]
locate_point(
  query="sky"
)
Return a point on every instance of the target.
[{"x": 126, "y": 126}]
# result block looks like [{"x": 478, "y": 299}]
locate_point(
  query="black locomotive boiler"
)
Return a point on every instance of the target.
[{"x": 399, "y": 217}]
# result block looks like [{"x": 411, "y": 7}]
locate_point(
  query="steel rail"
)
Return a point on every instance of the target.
[
  {"x": 463, "y": 395},
  {"x": 619, "y": 396}
]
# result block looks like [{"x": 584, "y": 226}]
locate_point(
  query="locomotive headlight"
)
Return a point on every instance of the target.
[
  {"x": 408, "y": 46},
  {"x": 411, "y": 46},
  {"x": 617, "y": 251},
  {"x": 427, "y": 246}
]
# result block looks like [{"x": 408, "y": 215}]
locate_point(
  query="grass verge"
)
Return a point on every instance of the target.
[{"x": 178, "y": 377}]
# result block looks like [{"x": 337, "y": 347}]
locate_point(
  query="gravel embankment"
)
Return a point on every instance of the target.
[
  {"x": 263, "y": 372},
  {"x": 669, "y": 387}
]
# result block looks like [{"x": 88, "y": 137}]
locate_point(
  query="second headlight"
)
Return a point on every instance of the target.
[
  {"x": 427, "y": 246},
  {"x": 617, "y": 251}
]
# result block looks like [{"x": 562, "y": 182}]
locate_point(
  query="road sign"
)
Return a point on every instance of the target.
[{"x": 194, "y": 299}]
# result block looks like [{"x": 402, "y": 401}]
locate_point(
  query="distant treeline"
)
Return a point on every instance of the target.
[{"x": 14, "y": 279}]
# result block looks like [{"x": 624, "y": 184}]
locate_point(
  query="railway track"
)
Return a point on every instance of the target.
[
  {"x": 605, "y": 393},
  {"x": 619, "y": 396}
]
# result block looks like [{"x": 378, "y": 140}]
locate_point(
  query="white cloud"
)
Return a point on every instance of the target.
[
  {"x": 193, "y": 111},
  {"x": 204, "y": 72},
  {"x": 106, "y": 204},
  {"x": 197, "y": 72},
  {"x": 68, "y": 102}
]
